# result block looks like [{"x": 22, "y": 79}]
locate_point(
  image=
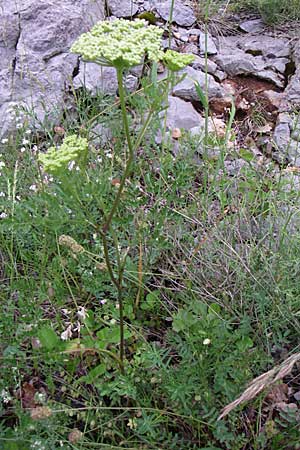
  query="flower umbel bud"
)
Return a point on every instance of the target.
[
  {"x": 120, "y": 43},
  {"x": 69, "y": 242},
  {"x": 57, "y": 159},
  {"x": 177, "y": 61}
]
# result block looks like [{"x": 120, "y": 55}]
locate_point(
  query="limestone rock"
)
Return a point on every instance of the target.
[
  {"x": 261, "y": 56},
  {"x": 292, "y": 92},
  {"x": 96, "y": 78},
  {"x": 35, "y": 37},
  {"x": 122, "y": 8},
  {"x": 295, "y": 128},
  {"x": 287, "y": 149},
  {"x": 186, "y": 88},
  {"x": 252, "y": 26},
  {"x": 100, "y": 134},
  {"x": 181, "y": 114},
  {"x": 211, "y": 46},
  {"x": 267, "y": 46},
  {"x": 183, "y": 15},
  {"x": 212, "y": 68}
]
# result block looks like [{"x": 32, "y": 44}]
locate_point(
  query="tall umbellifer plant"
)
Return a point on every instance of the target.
[{"x": 121, "y": 44}]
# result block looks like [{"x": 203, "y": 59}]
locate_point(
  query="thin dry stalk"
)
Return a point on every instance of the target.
[{"x": 260, "y": 383}]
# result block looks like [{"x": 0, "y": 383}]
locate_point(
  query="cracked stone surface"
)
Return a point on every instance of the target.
[
  {"x": 262, "y": 56},
  {"x": 103, "y": 79},
  {"x": 35, "y": 63},
  {"x": 182, "y": 114},
  {"x": 182, "y": 14},
  {"x": 186, "y": 88},
  {"x": 122, "y": 9}
]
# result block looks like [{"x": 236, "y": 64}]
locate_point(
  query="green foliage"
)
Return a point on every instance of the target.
[
  {"x": 272, "y": 11},
  {"x": 209, "y": 262}
]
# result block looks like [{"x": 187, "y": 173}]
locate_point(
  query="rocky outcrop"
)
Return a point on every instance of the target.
[
  {"x": 182, "y": 14},
  {"x": 256, "y": 68},
  {"x": 35, "y": 63},
  {"x": 186, "y": 88},
  {"x": 262, "y": 56}
]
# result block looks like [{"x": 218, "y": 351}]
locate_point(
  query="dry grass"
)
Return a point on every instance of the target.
[{"x": 266, "y": 380}]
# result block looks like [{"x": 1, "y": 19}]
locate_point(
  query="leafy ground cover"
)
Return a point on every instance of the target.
[
  {"x": 272, "y": 11},
  {"x": 211, "y": 293}
]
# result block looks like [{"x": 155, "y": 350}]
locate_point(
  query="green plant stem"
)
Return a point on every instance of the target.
[
  {"x": 130, "y": 148},
  {"x": 118, "y": 281}
]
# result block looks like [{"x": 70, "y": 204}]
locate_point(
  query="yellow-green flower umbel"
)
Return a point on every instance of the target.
[
  {"x": 176, "y": 61},
  {"x": 120, "y": 43},
  {"x": 57, "y": 159}
]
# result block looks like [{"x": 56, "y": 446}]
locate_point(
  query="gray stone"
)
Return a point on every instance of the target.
[
  {"x": 296, "y": 52},
  {"x": 287, "y": 149},
  {"x": 191, "y": 48},
  {"x": 268, "y": 46},
  {"x": 270, "y": 75},
  {"x": 35, "y": 37},
  {"x": 264, "y": 57},
  {"x": 211, "y": 67},
  {"x": 97, "y": 79},
  {"x": 234, "y": 167},
  {"x": 122, "y": 8},
  {"x": 282, "y": 136},
  {"x": 173, "y": 46},
  {"x": 186, "y": 88},
  {"x": 253, "y": 26},
  {"x": 295, "y": 129},
  {"x": 211, "y": 46},
  {"x": 193, "y": 32},
  {"x": 278, "y": 64},
  {"x": 289, "y": 182},
  {"x": 236, "y": 62},
  {"x": 182, "y": 15},
  {"x": 100, "y": 134},
  {"x": 181, "y": 114},
  {"x": 296, "y": 135},
  {"x": 292, "y": 92}
]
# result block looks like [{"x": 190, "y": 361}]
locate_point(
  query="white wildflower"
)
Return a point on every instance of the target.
[
  {"x": 3, "y": 215},
  {"x": 71, "y": 165},
  {"x": 5, "y": 395},
  {"x": 82, "y": 313},
  {"x": 206, "y": 341},
  {"x": 67, "y": 334}
]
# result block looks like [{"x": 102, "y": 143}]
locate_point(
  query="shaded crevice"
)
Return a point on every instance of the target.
[
  {"x": 14, "y": 61},
  {"x": 254, "y": 52},
  {"x": 290, "y": 70},
  {"x": 76, "y": 69}
]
